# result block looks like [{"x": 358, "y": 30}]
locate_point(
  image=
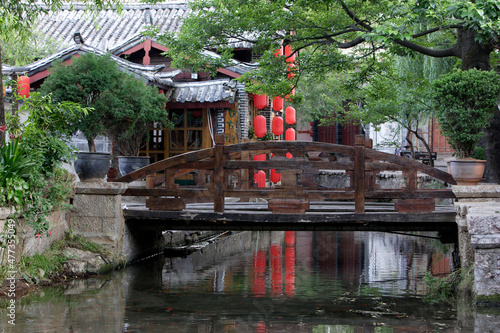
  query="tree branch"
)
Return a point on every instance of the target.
[
  {"x": 354, "y": 17},
  {"x": 430, "y": 31},
  {"x": 449, "y": 52},
  {"x": 350, "y": 44}
]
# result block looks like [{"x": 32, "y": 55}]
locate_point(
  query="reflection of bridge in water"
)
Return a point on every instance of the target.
[{"x": 223, "y": 186}]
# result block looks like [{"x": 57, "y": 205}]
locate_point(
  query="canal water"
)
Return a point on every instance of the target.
[{"x": 261, "y": 282}]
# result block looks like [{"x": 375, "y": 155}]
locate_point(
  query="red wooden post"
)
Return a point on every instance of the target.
[
  {"x": 219, "y": 179},
  {"x": 359, "y": 174}
]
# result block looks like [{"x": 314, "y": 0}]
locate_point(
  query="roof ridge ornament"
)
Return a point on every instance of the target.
[
  {"x": 148, "y": 17},
  {"x": 77, "y": 37}
]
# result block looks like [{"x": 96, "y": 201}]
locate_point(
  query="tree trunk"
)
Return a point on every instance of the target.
[
  {"x": 410, "y": 142},
  {"x": 477, "y": 55},
  {"x": 492, "y": 150},
  {"x": 2, "y": 105},
  {"x": 472, "y": 53},
  {"x": 91, "y": 143},
  {"x": 427, "y": 147}
]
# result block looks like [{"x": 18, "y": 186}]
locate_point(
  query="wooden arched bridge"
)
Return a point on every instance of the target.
[{"x": 297, "y": 201}]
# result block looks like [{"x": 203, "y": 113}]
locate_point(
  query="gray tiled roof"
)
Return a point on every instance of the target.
[
  {"x": 143, "y": 72},
  {"x": 203, "y": 92},
  {"x": 113, "y": 32},
  {"x": 108, "y": 28}
]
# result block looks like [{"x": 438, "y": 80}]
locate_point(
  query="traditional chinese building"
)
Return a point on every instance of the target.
[{"x": 199, "y": 105}]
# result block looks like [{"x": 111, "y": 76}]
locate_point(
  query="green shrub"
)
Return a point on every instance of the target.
[
  {"x": 32, "y": 178},
  {"x": 464, "y": 103}
]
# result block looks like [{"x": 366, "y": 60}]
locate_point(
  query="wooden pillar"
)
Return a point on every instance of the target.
[
  {"x": 219, "y": 179},
  {"x": 359, "y": 174}
]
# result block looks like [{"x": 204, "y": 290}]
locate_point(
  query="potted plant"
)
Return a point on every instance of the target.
[
  {"x": 464, "y": 103},
  {"x": 132, "y": 108},
  {"x": 84, "y": 82},
  {"x": 123, "y": 107}
]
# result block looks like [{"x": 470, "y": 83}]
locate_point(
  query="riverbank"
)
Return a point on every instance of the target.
[
  {"x": 66, "y": 259},
  {"x": 74, "y": 258}
]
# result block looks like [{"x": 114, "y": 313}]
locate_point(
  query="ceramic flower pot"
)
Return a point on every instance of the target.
[
  {"x": 127, "y": 164},
  {"x": 92, "y": 166},
  {"x": 467, "y": 171}
]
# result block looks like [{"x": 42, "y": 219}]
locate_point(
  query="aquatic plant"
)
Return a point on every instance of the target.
[{"x": 446, "y": 288}]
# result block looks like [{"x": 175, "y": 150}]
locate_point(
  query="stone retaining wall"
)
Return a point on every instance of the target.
[
  {"x": 29, "y": 244},
  {"x": 478, "y": 218}
]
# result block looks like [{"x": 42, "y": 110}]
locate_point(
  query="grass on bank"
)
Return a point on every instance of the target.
[{"x": 49, "y": 264}]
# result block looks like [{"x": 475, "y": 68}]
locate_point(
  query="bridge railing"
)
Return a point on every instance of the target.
[{"x": 228, "y": 171}]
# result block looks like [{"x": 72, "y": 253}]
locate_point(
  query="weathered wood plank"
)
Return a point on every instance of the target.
[
  {"x": 410, "y": 164},
  {"x": 290, "y": 145},
  {"x": 172, "y": 204},
  {"x": 162, "y": 192},
  {"x": 397, "y": 193},
  {"x": 287, "y": 164},
  {"x": 288, "y": 206},
  {"x": 415, "y": 205},
  {"x": 167, "y": 163}
]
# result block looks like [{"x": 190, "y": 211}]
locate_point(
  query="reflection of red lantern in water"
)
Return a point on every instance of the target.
[
  {"x": 261, "y": 327},
  {"x": 289, "y": 263},
  {"x": 276, "y": 273},
  {"x": 259, "y": 273}
]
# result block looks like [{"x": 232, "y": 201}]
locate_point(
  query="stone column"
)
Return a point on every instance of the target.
[
  {"x": 97, "y": 214},
  {"x": 478, "y": 217}
]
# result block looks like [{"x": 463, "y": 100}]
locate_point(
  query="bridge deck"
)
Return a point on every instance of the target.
[{"x": 338, "y": 216}]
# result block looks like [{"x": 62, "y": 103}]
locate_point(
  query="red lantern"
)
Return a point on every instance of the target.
[
  {"x": 278, "y": 52},
  {"x": 259, "y": 125},
  {"x": 290, "y": 134},
  {"x": 260, "y": 157},
  {"x": 260, "y": 178},
  {"x": 23, "y": 86},
  {"x": 289, "y": 54},
  {"x": 275, "y": 177},
  {"x": 290, "y": 115},
  {"x": 277, "y": 125},
  {"x": 288, "y": 155},
  {"x": 278, "y": 103},
  {"x": 260, "y": 101}
]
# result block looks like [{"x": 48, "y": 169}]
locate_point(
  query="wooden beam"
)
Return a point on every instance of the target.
[
  {"x": 219, "y": 179},
  {"x": 171, "y": 204},
  {"x": 359, "y": 174}
]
